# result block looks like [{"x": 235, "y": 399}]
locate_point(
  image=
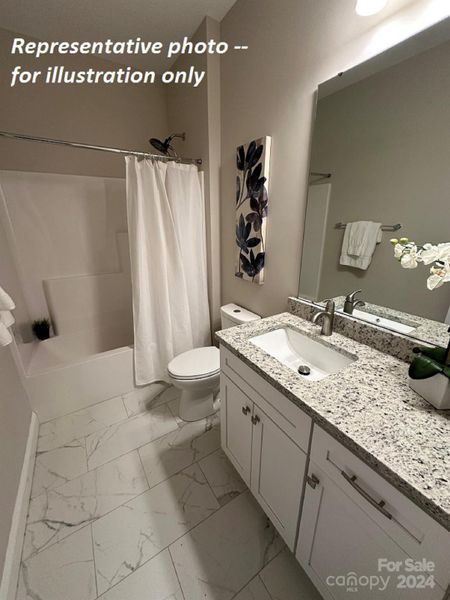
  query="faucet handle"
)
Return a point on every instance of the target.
[
  {"x": 350, "y": 297},
  {"x": 329, "y": 305}
]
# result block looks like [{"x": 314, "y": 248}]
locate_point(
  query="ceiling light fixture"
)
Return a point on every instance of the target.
[{"x": 366, "y": 8}]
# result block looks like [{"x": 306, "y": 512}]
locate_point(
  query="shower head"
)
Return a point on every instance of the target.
[{"x": 166, "y": 146}]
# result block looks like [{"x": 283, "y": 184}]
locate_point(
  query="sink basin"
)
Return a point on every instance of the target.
[
  {"x": 294, "y": 349},
  {"x": 382, "y": 321}
]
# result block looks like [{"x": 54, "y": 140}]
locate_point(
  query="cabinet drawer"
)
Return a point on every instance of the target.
[
  {"x": 293, "y": 421},
  {"x": 405, "y": 523}
]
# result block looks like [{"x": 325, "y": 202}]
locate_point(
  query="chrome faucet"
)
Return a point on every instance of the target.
[
  {"x": 327, "y": 316},
  {"x": 351, "y": 302}
]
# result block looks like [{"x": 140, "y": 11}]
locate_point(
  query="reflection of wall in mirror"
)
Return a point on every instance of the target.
[{"x": 385, "y": 139}]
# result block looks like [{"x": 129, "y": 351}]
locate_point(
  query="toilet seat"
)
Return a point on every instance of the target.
[{"x": 198, "y": 363}]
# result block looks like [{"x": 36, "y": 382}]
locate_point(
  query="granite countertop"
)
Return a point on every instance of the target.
[
  {"x": 368, "y": 406},
  {"x": 427, "y": 330}
]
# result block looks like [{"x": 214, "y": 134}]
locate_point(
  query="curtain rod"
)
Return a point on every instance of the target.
[{"x": 32, "y": 138}]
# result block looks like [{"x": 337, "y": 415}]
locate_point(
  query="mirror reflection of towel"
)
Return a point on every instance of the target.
[
  {"x": 447, "y": 318},
  {"x": 358, "y": 245}
]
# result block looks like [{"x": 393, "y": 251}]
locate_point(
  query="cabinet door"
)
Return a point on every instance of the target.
[
  {"x": 339, "y": 547},
  {"x": 278, "y": 469},
  {"x": 236, "y": 426}
]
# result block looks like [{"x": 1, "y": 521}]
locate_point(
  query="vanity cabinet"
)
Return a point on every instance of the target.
[
  {"x": 352, "y": 519},
  {"x": 337, "y": 514},
  {"x": 255, "y": 439}
]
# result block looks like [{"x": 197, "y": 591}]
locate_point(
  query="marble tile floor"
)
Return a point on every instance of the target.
[{"x": 128, "y": 501}]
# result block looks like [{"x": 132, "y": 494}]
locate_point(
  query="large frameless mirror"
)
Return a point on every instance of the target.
[{"x": 380, "y": 169}]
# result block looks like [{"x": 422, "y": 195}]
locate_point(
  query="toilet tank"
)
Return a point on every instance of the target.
[{"x": 232, "y": 315}]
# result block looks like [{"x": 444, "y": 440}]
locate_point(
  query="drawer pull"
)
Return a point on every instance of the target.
[
  {"x": 255, "y": 420},
  {"x": 378, "y": 505},
  {"x": 312, "y": 480},
  {"x": 246, "y": 410}
]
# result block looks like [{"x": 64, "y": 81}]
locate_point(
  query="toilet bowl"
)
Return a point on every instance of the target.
[{"x": 197, "y": 372}]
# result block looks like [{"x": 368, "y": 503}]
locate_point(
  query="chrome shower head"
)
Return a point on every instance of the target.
[{"x": 166, "y": 146}]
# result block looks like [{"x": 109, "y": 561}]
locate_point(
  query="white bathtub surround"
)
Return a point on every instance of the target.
[
  {"x": 66, "y": 387},
  {"x": 60, "y": 512},
  {"x": 65, "y": 570},
  {"x": 167, "y": 251},
  {"x": 135, "y": 532},
  {"x": 107, "y": 444}
]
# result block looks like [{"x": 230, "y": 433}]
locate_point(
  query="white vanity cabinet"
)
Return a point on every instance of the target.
[
  {"x": 268, "y": 450},
  {"x": 352, "y": 518}
]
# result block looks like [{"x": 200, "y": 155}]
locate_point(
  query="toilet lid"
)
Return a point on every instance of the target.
[{"x": 195, "y": 364}]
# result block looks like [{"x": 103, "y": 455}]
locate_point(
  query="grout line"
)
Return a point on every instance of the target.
[
  {"x": 91, "y": 406},
  {"x": 125, "y": 406},
  {"x": 93, "y": 557},
  {"x": 176, "y": 572},
  {"x": 143, "y": 469},
  {"x": 262, "y": 580},
  {"x": 94, "y": 519}
]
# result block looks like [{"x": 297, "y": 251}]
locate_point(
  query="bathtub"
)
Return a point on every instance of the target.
[{"x": 67, "y": 373}]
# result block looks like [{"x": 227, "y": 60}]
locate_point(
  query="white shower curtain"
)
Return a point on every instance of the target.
[{"x": 166, "y": 228}]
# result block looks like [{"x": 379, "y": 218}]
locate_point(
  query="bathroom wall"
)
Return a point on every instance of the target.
[
  {"x": 15, "y": 416},
  {"x": 60, "y": 226},
  {"x": 68, "y": 234},
  {"x": 389, "y": 160},
  {"x": 197, "y": 112},
  {"x": 269, "y": 90},
  {"x": 120, "y": 116}
]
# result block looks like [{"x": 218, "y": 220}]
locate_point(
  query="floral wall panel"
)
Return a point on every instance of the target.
[{"x": 252, "y": 200}]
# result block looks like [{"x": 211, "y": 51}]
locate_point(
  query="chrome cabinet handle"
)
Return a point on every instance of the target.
[
  {"x": 255, "y": 419},
  {"x": 312, "y": 480},
  {"x": 246, "y": 410},
  {"x": 378, "y": 505}
]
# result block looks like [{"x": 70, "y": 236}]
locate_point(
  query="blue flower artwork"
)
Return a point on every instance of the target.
[{"x": 252, "y": 200}]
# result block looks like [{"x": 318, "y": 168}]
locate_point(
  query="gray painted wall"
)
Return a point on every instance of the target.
[{"x": 269, "y": 90}]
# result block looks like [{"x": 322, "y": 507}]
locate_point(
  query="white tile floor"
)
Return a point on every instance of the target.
[{"x": 128, "y": 501}]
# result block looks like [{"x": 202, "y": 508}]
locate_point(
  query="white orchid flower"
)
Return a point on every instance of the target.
[
  {"x": 439, "y": 276},
  {"x": 409, "y": 259},
  {"x": 398, "y": 251},
  {"x": 430, "y": 253}
]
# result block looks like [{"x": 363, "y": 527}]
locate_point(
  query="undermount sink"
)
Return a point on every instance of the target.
[
  {"x": 382, "y": 321},
  {"x": 296, "y": 350}
]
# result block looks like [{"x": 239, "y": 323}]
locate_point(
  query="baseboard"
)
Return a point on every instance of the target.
[{"x": 11, "y": 568}]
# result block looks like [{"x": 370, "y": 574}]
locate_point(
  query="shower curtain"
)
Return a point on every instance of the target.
[{"x": 167, "y": 239}]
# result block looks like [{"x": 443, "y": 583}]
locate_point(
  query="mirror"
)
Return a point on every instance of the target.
[{"x": 381, "y": 154}]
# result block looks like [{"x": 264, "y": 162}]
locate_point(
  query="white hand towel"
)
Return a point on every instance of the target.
[
  {"x": 447, "y": 318},
  {"x": 6, "y": 302},
  {"x": 358, "y": 245},
  {"x": 6, "y": 318},
  {"x": 5, "y": 336}
]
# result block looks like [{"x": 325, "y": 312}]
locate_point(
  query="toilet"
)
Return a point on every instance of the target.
[{"x": 197, "y": 372}]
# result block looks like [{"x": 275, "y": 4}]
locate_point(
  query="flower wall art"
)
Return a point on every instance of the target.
[{"x": 252, "y": 180}]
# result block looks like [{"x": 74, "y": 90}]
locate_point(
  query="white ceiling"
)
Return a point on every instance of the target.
[{"x": 89, "y": 20}]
